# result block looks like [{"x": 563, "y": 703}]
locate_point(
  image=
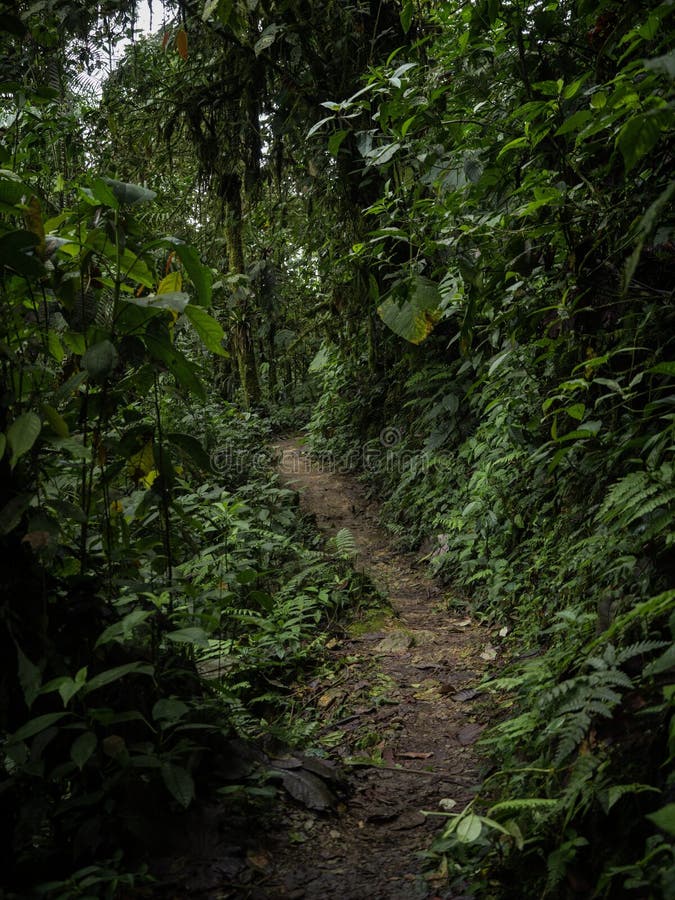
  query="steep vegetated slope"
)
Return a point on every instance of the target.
[{"x": 522, "y": 240}]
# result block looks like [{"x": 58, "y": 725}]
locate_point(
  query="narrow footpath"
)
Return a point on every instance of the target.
[{"x": 398, "y": 713}]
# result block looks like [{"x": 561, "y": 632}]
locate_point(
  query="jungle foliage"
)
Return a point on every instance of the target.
[
  {"x": 522, "y": 242},
  {"x": 442, "y": 234}
]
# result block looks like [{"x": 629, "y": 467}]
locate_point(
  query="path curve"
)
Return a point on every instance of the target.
[{"x": 403, "y": 693}]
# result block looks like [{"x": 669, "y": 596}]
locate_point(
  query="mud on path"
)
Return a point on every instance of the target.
[{"x": 401, "y": 692}]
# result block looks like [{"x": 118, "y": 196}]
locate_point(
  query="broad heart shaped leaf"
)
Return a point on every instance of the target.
[
  {"x": 209, "y": 330},
  {"x": 102, "y": 192},
  {"x": 415, "y": 318},
  {"x": 22, "y": 434},
  {"x": 100, "y": 359},
  {"x": 179, "y": 783},
  {"x": 129, "y": 194}
]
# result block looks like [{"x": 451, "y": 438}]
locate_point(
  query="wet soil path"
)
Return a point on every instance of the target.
[{"x": 400, "y": 693}]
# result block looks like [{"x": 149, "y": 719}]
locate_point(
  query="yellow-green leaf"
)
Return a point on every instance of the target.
[{"x": 171, "y": 283}]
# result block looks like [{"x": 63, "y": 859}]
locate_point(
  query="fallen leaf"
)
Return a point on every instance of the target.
[
  {"x": 503, "y": 631},
  {"x": 431, "y": 693},
  {"x": 396, "y": 642},
  {"x": 489, "y": 653},
  {"x": 411, "y": 819},
  {"x": 462, "y": 623},
  {"x": 381, "y": 814},
  {"x": 324, "y": 768},
  {"x": 286, "y": 762},
  {"x": 447, "y": 803},
  {"x": 258, "y": 859},
  {"x": 325, "y": 700},
  {"x": 413, "y": 754},
  {"x": 464, "y": 696},
  {"x": 469, "y": 733},
  {"x": 306, "y": 788}
]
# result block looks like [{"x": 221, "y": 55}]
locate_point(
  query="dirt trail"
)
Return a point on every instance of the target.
[{"x": 402, "y": 693}]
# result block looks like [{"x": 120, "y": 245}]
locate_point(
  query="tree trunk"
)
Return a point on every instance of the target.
[{"x": 242, "y": 340}]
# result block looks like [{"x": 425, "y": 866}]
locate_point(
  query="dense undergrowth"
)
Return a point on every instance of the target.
[
  {"x": 160, "y": 590},
  {"x": 528, "y": 441},
  {"x": 444, "y": 233}
]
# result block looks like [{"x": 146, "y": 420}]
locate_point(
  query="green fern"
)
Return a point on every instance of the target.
[
  {"x": 343, "y": 544},
  {"x": 638, "y": 496}
]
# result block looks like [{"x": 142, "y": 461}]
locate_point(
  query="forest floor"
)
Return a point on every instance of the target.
[
  {"x": 400, "y": 696},
  {"x": 398, "y": 711}
]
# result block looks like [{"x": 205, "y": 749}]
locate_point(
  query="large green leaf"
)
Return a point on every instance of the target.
[
  {"x": 117, "y": 672},
  {"x": 200, "y": 275},
  {"x": 469, "y": 829},
  {"x": 190, "y": 635},
  {"x": 100, "y": 359},
  {"x": 192, "y": 447},
  {"x": 35, "y": 726},
  {"x": 82, "y": 749},
  {"x": 179, "y": 783},
  {"x": 209, "y": 330},
  {"x": 406, "y": 15},
  {"x": 641, "y": 133},
  {"x": 176, "y": 301},
  {"x": 129, "y": 194},
  {"x": 181, "y": 369},
  {"x": 12, "y": 188},
  {"x": 665, "y": 818},
  {"x": 17, "y": 250},
  {"x": 22, "y": 434},
  {"x": 415, "y": 318}
]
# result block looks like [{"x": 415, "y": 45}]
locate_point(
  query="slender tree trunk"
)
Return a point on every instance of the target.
[{"x": 242, "y": 339}]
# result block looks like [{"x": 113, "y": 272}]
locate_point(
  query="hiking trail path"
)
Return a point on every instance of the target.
[{"x": 402, "y": 693}]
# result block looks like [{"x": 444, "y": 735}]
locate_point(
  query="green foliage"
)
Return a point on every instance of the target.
[
  {"x": 475, "y": 248},
  {"x": 524, "y": 176}
]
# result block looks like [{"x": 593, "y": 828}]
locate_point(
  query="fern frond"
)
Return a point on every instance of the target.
[
  {"x": 575, "y": 733},
  {"x": 647, "y": 507},
  {"x": 344, "y": 542},
  {"x": 642, "y": 648}
]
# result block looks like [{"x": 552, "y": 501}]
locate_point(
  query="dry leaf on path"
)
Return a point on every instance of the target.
[
  {"x": 413, "y": 754},
  {"x": 469, "y": 733},
  {"x": 464, "y": 696}
]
